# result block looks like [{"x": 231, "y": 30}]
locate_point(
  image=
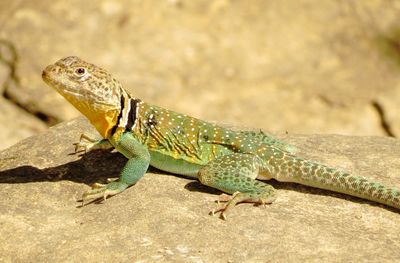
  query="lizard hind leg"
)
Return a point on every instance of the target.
[{"x": 235, "y": 174}]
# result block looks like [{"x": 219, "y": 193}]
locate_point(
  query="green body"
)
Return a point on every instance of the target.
[{"x": 222, "y": 158}]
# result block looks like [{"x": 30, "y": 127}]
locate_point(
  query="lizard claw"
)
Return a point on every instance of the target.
[
  {"x": 217, "y": 210},
  {"x": 98, "y": 185},
  {"x": 238, "y": 197},
  {"x": 227, "y": 199},
  {"x": 103, "y": 191},
  {"x": 223, "y": 198},
  {"x": 87, "y": 144}
]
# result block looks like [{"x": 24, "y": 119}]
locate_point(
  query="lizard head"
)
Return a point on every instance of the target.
[{"x": 91, "y": 89}]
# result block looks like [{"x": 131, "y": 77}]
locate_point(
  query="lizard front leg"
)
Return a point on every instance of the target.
[
  {"x": 235, "y": 174},
  {"x": 134, "y": 169}
]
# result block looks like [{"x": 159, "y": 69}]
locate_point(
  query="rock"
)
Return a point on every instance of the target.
[
  {"x": 165, "y": 217},
  {"x": 16, "y": 124},
  {"x": 388, "y": 105}
]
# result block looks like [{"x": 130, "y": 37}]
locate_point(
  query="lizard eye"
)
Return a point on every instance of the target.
[{"x": 80, "y": 72}]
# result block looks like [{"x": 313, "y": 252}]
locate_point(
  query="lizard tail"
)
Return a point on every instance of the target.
[{"x": 317, "y": 175}]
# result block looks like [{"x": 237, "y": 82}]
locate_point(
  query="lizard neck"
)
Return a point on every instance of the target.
[
  {"x": 104, "y": 121},
  {"x": 115, "y": 120},
  {"x": 102, "y": 116}
]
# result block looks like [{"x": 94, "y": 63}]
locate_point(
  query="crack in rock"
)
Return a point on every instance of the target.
[
  {"x": 385, "y": 124},
  {"x": 9, "y": 57}
]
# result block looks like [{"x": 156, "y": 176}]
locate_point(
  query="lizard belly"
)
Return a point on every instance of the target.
[{"x": 170, "y": 164}]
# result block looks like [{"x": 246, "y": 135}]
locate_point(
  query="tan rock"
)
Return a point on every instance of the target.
[
  {"x": 16, "y": 124},
  {"x": 165, "y": 217}
]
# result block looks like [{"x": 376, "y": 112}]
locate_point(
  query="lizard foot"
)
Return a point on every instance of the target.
[
  {"x": 86, "y": 144},
  {"x": 223, "y": 198},
  {"x": 239, "y": 197},
  {"x": 103, "y": 191}
]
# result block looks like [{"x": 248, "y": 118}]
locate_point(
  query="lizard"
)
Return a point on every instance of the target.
[{"x": 236, "y": 162}]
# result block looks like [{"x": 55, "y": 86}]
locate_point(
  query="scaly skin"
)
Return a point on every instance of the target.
[{"x": 221, "y": 158}]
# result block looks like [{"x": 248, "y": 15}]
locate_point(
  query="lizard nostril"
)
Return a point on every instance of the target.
[{"x": 49, "y": 70}]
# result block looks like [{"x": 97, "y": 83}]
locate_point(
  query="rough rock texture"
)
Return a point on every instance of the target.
[
  {"x": 164, "y": 218},
  {"x": 17, "y": 124},
  {"x": 301, "y": 66}
]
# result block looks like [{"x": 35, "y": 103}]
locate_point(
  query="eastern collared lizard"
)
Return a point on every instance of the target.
[{"x": 218, "y": 157}]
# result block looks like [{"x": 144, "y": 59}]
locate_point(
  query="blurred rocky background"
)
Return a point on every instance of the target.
[{"x": 296, "y": 66}]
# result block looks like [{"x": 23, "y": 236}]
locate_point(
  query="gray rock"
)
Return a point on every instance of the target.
[{"x": 165, "y": 217}]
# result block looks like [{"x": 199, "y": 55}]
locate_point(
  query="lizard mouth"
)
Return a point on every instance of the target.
[
  {"x": 50, "y": 77},
  {"x": 46, "y": 73}
]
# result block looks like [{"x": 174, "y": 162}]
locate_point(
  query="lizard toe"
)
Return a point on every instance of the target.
[{"x": 104, "y": 190}]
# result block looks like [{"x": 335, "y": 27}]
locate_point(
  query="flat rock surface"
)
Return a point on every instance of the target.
[{"x": 164, "y": 218}]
